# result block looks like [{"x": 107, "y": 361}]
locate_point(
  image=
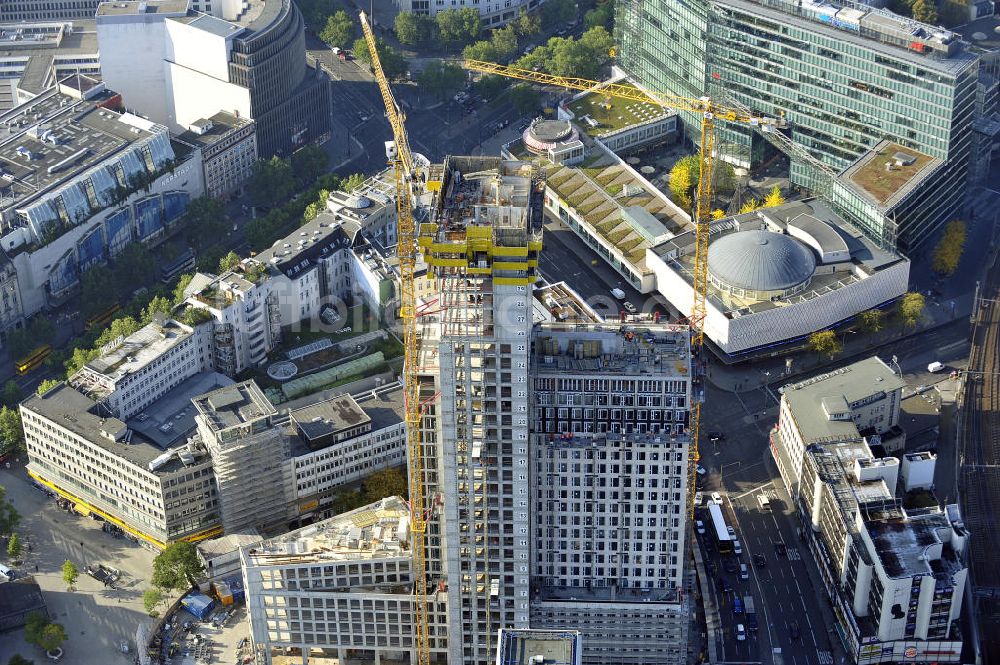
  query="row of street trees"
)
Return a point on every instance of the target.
[{"x": 909, "y": 309}]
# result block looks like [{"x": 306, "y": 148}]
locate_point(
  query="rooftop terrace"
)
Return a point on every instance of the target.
[
  {"x": 129, "y": 355},
  {"x": 597, "y": 114},
  {"x": 376, "y": 531},
  {"x": 611, "y": 349},
  {"x": 887, "y": 185}
]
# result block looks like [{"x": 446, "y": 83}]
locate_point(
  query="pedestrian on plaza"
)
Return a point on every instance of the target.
[{"x": 36, "y": 567}]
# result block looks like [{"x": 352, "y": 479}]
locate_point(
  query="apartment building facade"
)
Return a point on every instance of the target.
[{"x": 842, "y": 78}]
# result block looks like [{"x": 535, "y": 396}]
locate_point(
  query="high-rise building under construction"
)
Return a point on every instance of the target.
[{"x": 553, "y": 458}]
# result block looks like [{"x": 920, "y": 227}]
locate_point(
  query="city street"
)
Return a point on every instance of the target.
[{"x": 97, "y": 618}]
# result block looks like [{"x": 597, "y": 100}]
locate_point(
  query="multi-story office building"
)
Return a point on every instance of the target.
[
  {"x": 845, "y": 404},
  {"x": 609, "y": 487},
  {"x": 47, "y": 10},
  {"x": 35, "y": 56},
  {"x": 139, "y": 473},
  {"x": 241, "y": 57},
  {"x": 842, "y": 78},
  {"x": 237, "y": 426},
  {"x": 82, "y": 181},
  {"x": 493, "y": 13},
  {"x": 893, "y": 568},
  {"x": 228, "y": 146}
]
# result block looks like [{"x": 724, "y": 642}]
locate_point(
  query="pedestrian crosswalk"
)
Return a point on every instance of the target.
[
  {"x": 793, "y": 554},
  {"x": 825, "y": 657}
]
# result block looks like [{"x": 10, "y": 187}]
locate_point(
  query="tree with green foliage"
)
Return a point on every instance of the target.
[
  {"x": 22, "y": 342},
  {"x": 481, "y": 50},
  {"x": 384, "y": 483},
  {"x": 46, "y": 385},
  {"x": 70, "y": 573},
  {"x": 14, "y": 547},
  {"x": 177, "y": 567},
  {"x": 11, "y": 393},
  {"x": 272, "y": 182},
  {"x": 151, "y": 599},
  {"x": 51, "y": 637},
  {"x": 825, "y": 342},
  {"x": 11, "y": 433},
  {"x": 182, "y": 283},
  {"x": 538, "y": 59},
  {"x": 524, "y": 98},
  {"x": 574, "y": 59},
  {"x": 33, "y": 625},
  {"x": 871, "y": 320},
  {"x": 441, "y": 79},
  {"x": 393, "y": 62},
  {"x": 948, "y": 252},
  {"x": 9, "y": 517},
  {"x": 308, "y": 163},
  {"x": 158, "y": 305},
  {"x": 414, "y": 29},
  {"x": 230, "y": 261},
  {"x": 599, "y": 42},
  {"x": 911, "y": 308},
  {"x": 489, "y": 86},
  {"x": 205, "y": 222},
  {"x": 504, "y": 41},
  {"x": 339, "y": 29},
  {"x": 18, "y": 659},
  {"x": 774, "y": 198},
  {"x": 925, "y": 11},
  {"x": 527, "y": 24},
  {"x": 79, "y": 358},
  {"x": 457, "y": 27},
  {"x": 555, "y": 13},
  {"x": 602, "y": 15},
  {"x": 352, "y": 182}
]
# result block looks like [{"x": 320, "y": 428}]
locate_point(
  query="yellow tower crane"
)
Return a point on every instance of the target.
[
  {"x": 401, "y": 158},
  {"x": 710, "y": 111}
]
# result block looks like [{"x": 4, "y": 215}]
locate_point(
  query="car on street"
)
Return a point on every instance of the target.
[
  {"x": 744, "y": 572},
  {"x": 699, "y": 526},
  {"x": 731, "y": 530},
  {"x": 700, "y": 470},
  {"x": 698, "y": 496},
  {"x": 741, "y": 633},
  {"x": 715, "y": 435},
  {"x": 724, "y": 585},
  {"x": 716, "y": 498},
  {"x": 737, "y": 605},
  {"x": 737, "y": 548},
  {"x": 793, "y": 630},
  {"x": 103, "y": 574},
  {"x": 760, "y": 560},
  {"x": 629, "y": 307}
]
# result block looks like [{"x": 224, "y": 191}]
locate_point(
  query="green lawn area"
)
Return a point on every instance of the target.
[{"x": 613, "y": 113}]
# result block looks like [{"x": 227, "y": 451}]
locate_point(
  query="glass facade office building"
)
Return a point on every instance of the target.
[{"x": 844, "y": 79}]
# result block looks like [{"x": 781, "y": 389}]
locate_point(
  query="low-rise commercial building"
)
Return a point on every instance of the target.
[
  {"x": 81, "y": 182},
  {"x": 47, "y": 10},
  {"x": 777, "y": 275}
]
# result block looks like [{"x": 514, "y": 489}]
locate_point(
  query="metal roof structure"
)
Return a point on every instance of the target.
[{"x": 760, "y": 261}]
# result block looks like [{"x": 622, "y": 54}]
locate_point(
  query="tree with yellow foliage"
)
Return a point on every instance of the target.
[
  {"x": 718, "y": 214},
  {"x": 948, "y": 252},
  {"x": 749, "y": 206},
  {"x": 773, "y": 198}
]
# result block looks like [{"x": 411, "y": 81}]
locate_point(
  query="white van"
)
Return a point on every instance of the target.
[
  {"x": 935, "y": 367},
  {"x": 737, "y": 548},
  {"x": 744, "y": 572},
  {"x": 765, "y": 503},
  {"x": 7, "y": 573}
]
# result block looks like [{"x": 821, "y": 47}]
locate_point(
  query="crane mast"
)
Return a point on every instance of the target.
[{"x": 401, "y": 158}]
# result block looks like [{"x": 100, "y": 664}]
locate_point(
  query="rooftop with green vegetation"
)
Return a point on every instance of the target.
[
  {"x": 889, "y": 171},
  {"x": 609, "y": 114}
]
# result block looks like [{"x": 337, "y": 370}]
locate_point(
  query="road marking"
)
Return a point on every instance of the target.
[
  {"x": 797, "y": 587},
  {"x": 755, "y": 489}
]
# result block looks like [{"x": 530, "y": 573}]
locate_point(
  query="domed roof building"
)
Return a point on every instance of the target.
[{"x": 760, "y": 265}]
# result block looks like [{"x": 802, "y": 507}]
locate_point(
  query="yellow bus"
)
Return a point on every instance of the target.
[
  {"x": 33, "y": 359},
  {"x": 102, "y": 319}
]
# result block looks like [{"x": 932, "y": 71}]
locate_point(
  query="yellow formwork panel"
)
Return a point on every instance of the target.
[
  {"x": 510, "y": 251},
  {"x": 513, "y": 281}
]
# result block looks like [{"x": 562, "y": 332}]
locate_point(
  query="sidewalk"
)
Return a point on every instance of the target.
[{"x": 856, "y": 345}]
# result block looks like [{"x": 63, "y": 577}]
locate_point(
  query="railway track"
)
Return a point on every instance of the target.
[{"x": 979, "y": 463}]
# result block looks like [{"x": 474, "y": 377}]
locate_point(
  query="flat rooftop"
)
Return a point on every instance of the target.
[
  {"x": 139, "y": 349},
  {"x": 142, "y": 7},
  {"x": 376, "y": 531},
  {"x": 382, "y": 409},
  {"x": 557, "y": 647},
  {"x": 46, "y": 36},
  {"x": 80, "y": 135},
  {"x": 329, "y": 417},
  {"x": 81, "y": 415},
  {"x": 886, "y": 186},
  {"x": 233, "y": 405},
  {"x": 596, "y": 114},
  {"x": 223, "y": 122},
  {"x": 910, "y": 545},
  {"x": 608, "y": 349},
  {"x": 560, "y": 303},
  {"x": 982, "y": 34},
  {"x": 860, "y": 380}
]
